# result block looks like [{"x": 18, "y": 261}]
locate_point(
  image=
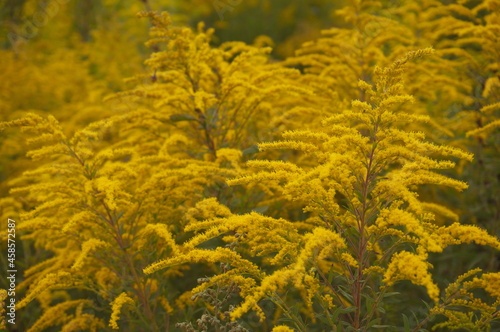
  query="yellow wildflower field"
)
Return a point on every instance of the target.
[{"x": 250, "y": 165}]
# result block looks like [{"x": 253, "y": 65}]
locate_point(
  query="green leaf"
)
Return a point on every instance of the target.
[
  {"x": 369, "y": 303},
  {"x": 120, "y": 214},
  {"x": 261, "y": 209},
  {"x": 335, "y": 314},
  {"x": 251, "y": 150},
  {"x": 182, "y": 117},
  {"x": 323, "y": 319},
  {"x": 347, "y": 294},
  {"x": 406, "y": 323},
  {"x": 347, "y": 310}
]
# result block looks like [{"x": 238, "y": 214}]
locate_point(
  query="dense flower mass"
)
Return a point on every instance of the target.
[{"x": 318, "y": 181}]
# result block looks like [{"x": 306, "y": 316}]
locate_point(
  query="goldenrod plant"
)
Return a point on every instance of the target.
[
  {"x": 366, "y": 228},
  {"x": 216, "y": 187}
]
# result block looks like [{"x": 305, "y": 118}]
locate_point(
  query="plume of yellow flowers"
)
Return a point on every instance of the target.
[{"x": 117, "y": 305}]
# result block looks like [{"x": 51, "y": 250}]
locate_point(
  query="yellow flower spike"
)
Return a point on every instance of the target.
[
  {"x": 345, "y": 257},
  {"x": 200, "y": 255},
  {"x": 492, "y": 284},
  {"x": 78, "y": 221},
  {"x": 206, "y": 209},
  {"x": 166, "y": 305},
  {"x": 475, "y": 313},
  {"x": 116, "y": 308},
  {"x": 246, "y": 285},
  {"x": 269, "y": 284},
  {"x": 457, "y": 233},
  {"x": 407, "y": 266},
  {"x": 85, "y": 322},
  {"x": 162, "y": 232},
  {"x": 87, "y": 248},
  {"x": 56, "y": 315},
  {"x": 295, "y": 273},
  {"x": 52, "y": 280}
]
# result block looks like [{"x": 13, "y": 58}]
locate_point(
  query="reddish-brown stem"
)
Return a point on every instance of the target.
[
  {"x": 206, "y": 128},
  {"x": 141, "y": 287},
  {"x": 359, "y": 282}
]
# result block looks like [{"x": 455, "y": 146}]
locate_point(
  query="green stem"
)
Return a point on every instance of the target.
[{"x": 288, "y": 313}]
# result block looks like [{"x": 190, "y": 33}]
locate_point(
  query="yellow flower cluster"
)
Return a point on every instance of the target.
[
  {"x": 199, "y": 255},
  {"x": 492, "y": 283},
  {"x": 407, "y": 266},
  {"x": 57, "y": 315},
  {"x": 87, "y": 248},
  {"x": 476, "y": 314},
  {"x": 50, "y": 281},
  {"x": 116, "y": 307}
]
